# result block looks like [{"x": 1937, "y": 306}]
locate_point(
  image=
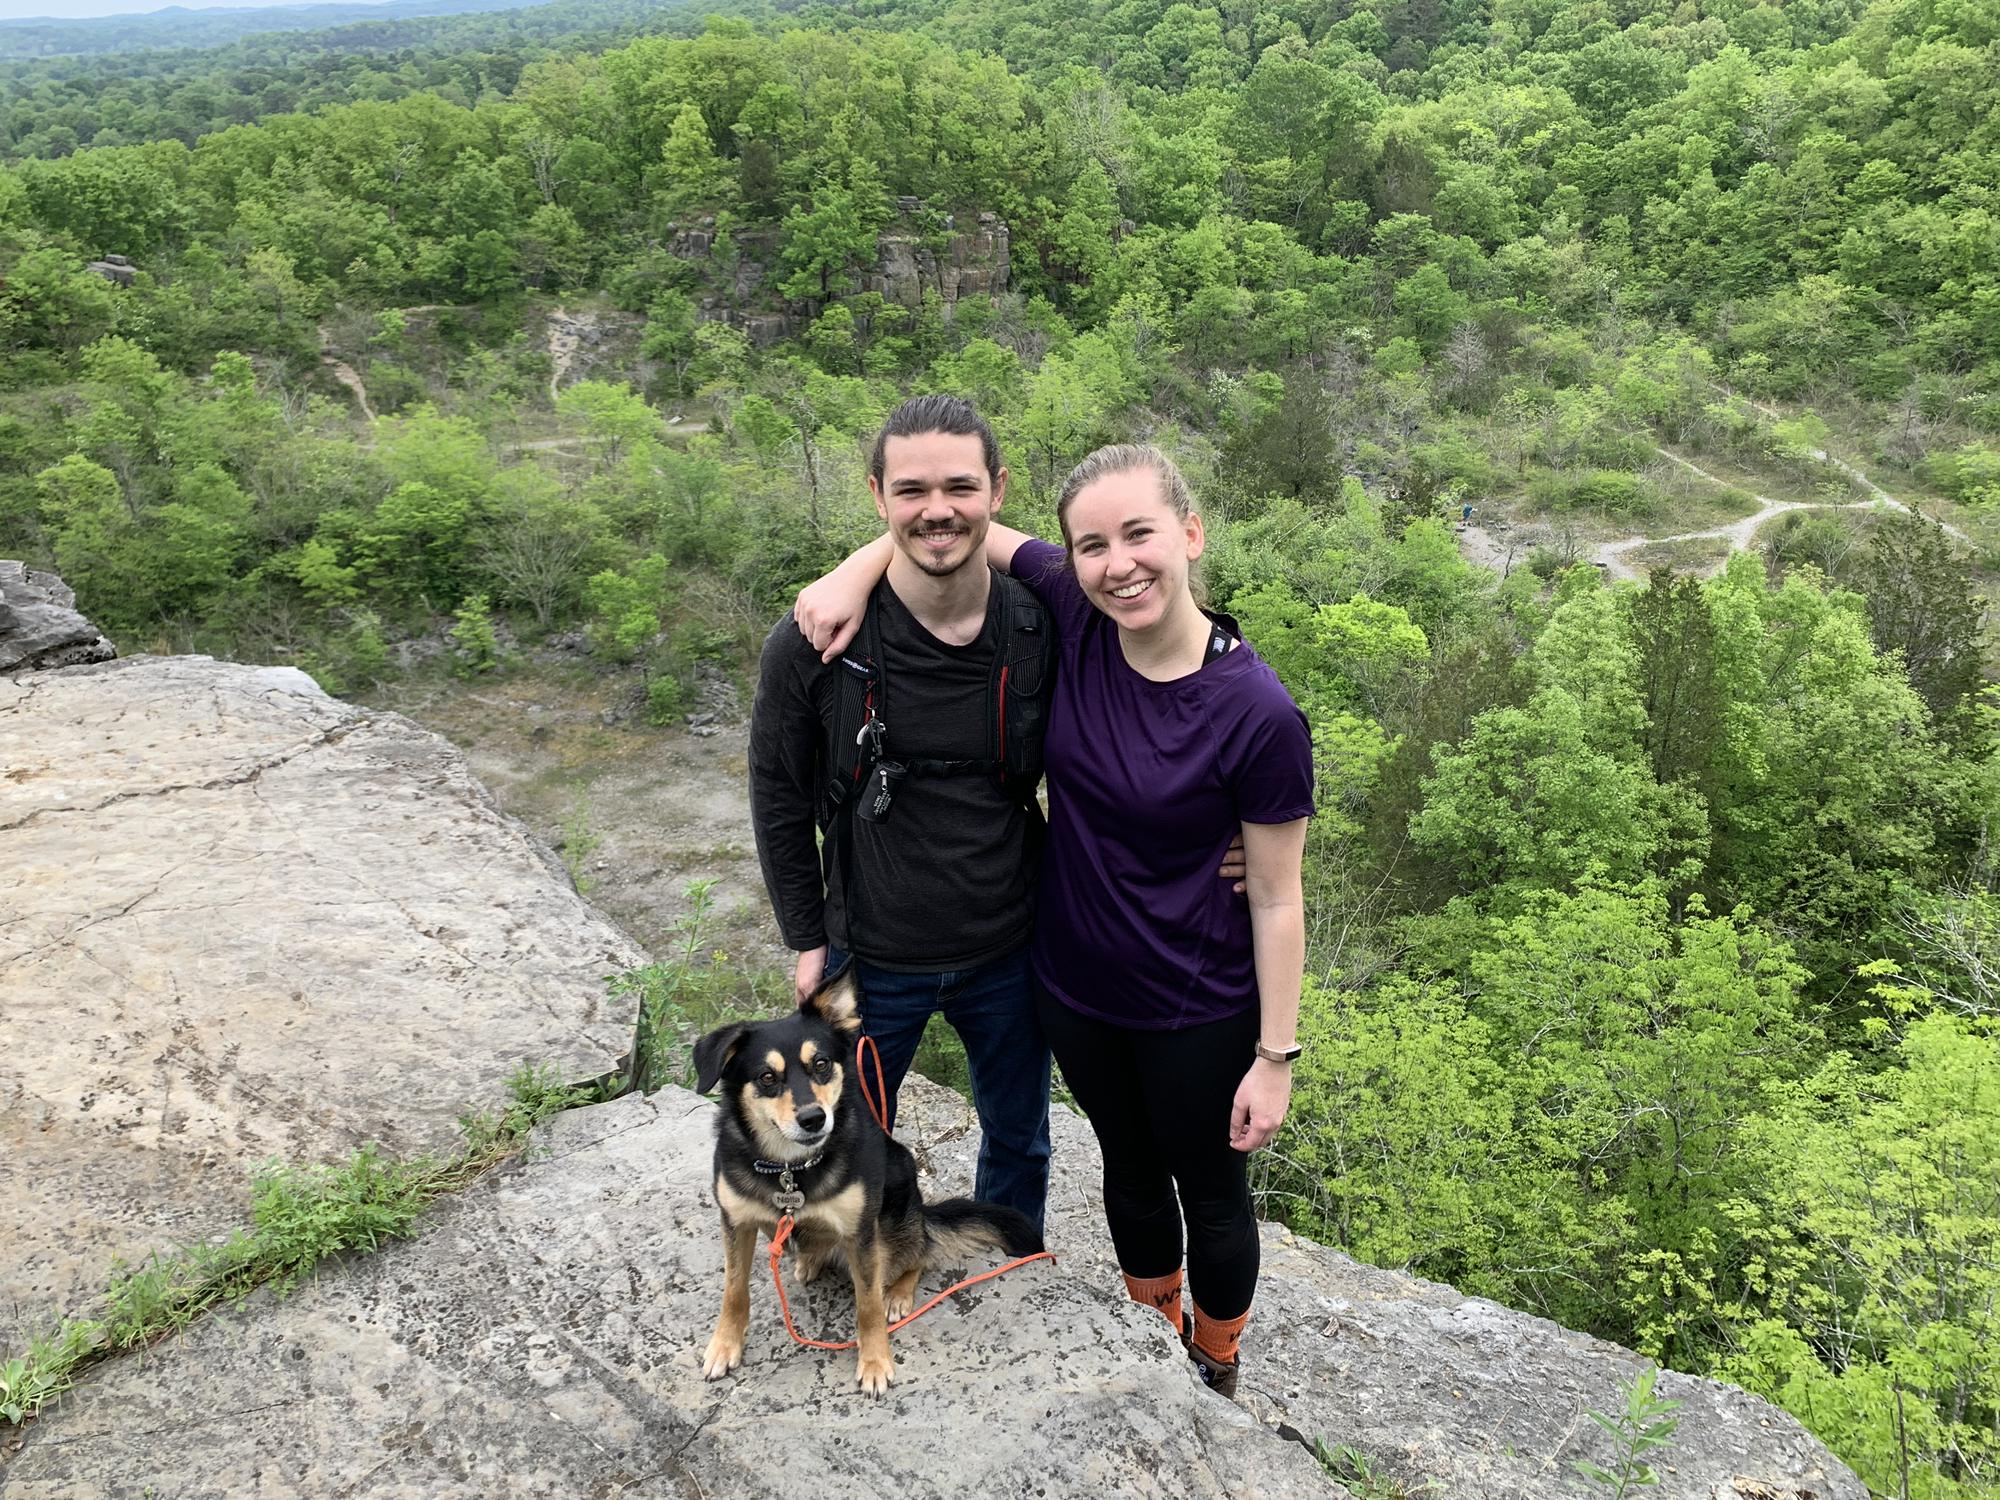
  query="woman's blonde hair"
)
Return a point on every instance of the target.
[{"x": 1125, "y": 458}]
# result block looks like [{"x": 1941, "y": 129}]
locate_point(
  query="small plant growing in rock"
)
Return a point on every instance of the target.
[
  {"x": 28, "y": 1382},
  {"x": 579, "y": 842},
  {"x": 664, "y": 997},
  {"x": 1361, "y": 1477},
  {"x": 299, "y": 1216},
  {"x": 1646, "y": 1425}
]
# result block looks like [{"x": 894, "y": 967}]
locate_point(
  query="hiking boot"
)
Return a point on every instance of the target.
[{"x": 1217, "y": 1376}]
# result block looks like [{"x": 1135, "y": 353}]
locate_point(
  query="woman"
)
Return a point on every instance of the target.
[{"x": 1170, "y": 1003}]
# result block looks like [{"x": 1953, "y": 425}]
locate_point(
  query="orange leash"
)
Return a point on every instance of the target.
[
  {"x": 784, "y": 1232},
  {"x": 877, "y": 1101},
  {"x": 786, "y": 1226}
]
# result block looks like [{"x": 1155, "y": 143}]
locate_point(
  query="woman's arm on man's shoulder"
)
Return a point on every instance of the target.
[
  {"x": 829, "y": 609},
  {"x": 1002, "y": 542}
]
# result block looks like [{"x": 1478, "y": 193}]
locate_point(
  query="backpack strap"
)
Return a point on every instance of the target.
[
  {"x": 860, "y": 712},
  {"x": 1023, "y": 670},
  {"x": 858, "y": 727}
]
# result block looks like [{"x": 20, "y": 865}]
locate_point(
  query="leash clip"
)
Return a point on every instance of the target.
[{"x": 788, "y": 1198}]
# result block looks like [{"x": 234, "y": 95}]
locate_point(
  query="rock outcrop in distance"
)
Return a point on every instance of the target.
[
  {"x": 258, "y": 920},
  {"x": 971, "y": 258}
]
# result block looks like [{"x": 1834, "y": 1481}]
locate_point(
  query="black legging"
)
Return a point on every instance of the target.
[{"x": 1159, "y": 1102}]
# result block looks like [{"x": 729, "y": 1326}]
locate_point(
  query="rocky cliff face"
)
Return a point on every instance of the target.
[
  {"x": 976, "y": 260},
  {"x": 252, "y": 920}
]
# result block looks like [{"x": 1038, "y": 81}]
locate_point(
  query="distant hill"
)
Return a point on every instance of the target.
[{"x": 177, "y": 26}]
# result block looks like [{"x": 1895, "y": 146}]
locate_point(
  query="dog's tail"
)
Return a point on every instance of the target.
[{"x": 959, "y": 1225}]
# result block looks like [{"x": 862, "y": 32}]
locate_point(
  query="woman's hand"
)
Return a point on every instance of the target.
[
  {"x": 829, "y": 610},
  {"x": 1261, "y": 1101}
]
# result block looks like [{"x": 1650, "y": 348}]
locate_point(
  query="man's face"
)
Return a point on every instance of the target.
[{"x": 938, "y": 499}]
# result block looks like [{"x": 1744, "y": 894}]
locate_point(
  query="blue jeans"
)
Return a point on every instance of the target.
[{"x": 992, "y": 1009}]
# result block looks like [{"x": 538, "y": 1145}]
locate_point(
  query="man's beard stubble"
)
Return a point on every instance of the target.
[{"x": 934, "y": 566}]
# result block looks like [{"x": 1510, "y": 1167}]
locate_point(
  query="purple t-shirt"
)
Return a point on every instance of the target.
[{"x": 1148, "y": 782}]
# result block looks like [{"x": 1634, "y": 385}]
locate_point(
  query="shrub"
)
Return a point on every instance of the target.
[
  {"x": 475, "y": 647},
  {"x": 1970, "y": 476},
  {"x": 1610, "y": 490},
  {"x": 666, "y": 700}
]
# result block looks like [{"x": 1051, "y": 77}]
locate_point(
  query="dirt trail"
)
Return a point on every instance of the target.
[
  {"x": 1481, "y": 547},
  {"x": 346, "y": 374},
  {"x": 567, "y": 332}
]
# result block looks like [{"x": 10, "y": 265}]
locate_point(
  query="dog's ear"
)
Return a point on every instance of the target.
[
  {"x": 837, "y": 1001},
  {"x": 712, "y": 1053}
]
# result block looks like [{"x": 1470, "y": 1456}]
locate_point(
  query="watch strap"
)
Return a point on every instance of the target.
[{"x": 1278, "y": 1055}]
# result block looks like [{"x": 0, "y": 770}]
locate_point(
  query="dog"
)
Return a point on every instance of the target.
[{"x": 794, "y": 1135}]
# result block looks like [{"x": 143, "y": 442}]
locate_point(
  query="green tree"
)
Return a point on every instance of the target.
[
  {"x": 1924, "y": 607},
  {"x": 826, "y": 242},
  {"x": 693, "y": 177},
  {"x": 625, "y": 608},
  {"x": 617, "y": 418},
  {"x": 48, "y": 301},
  {"x": 671, "y": 322},
  {"x": 553, "y": 249},
  {"x": 1873, "y": 1242},
  {"x": 1527, "y": 799}
]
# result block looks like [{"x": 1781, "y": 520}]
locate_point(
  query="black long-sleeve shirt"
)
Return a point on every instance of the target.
[{"x": 947, "y": 880}]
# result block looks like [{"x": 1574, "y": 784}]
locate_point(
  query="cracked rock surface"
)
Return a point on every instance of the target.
[
  {"x": 543, "y": 1337},
  {"x": 242, "y": 920}
]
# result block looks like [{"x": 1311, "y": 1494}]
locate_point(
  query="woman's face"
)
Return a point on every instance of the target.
[{"x": 1130, "y": 551}]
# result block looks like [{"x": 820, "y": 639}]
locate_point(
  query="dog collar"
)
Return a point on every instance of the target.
[{"x": 776, "y": 1168}]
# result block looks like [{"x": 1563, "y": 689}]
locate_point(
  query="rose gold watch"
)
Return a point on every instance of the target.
[{"x": 1278, "y": 1054}]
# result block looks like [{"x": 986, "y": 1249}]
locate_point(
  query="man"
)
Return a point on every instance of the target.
[{"x": 916, "y": 753}]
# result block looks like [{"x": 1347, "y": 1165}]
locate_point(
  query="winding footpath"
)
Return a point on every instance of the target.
[{"x": 1479, "y": 545}]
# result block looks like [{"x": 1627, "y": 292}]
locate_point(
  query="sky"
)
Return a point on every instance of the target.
[{"x": 69, "y": 10}]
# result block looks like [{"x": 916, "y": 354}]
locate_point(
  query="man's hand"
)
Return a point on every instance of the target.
[
  {"x": 1260, "y": 1104},
  {"x": 810, "y": 970},
  {"x": 1233, "y": 866}
]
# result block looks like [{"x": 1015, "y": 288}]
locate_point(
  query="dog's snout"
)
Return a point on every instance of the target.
[{"x": 811, "y": 1117}]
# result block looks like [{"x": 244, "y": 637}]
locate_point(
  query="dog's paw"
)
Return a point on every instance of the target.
[
  {"x": 896, "y": 1304},
  {"x": 875, "y": 1374},
  {"x": 724, "y": 1354}
]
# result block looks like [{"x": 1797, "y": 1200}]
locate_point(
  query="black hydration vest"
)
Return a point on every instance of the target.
[{"x": 1016, "y": 718}]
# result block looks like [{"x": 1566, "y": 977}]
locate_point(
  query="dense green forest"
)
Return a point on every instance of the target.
[
  {"x": 180, "y": 26},
  {"x": 1654, "y": 922}
]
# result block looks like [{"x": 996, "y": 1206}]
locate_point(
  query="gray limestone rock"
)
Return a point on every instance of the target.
[
  {"x": 39, "y": 623},
  {"x": 244, "y": 920},
  {"x": 543, "y": 1337}
]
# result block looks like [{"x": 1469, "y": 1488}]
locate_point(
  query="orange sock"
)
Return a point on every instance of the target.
[
  {"x": 1163, "y": 1292},
  {"x": 1218, "y": 1338}
]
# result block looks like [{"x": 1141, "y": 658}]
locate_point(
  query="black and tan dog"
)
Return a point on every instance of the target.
[{"x": 793, "y": 1135}]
